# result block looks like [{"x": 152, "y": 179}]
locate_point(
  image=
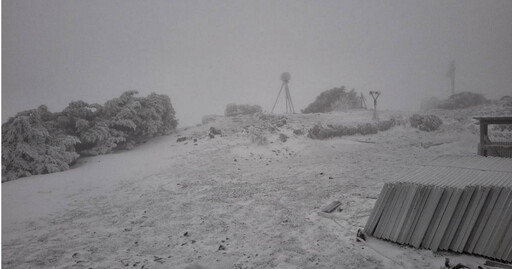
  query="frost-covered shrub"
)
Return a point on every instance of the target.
[
  {"x": 367, "y": 128},
  {"x": 386, "y": 125},
  {"x": 235, "y": 110},
  {"x": 258, "y": 136},
  {"x": 134, "y": 120},
  {"x": 334, "y": 99},
  {"x": 425, "y": 123},
  {"x": 462, "y": 100},
  {"x": 39, "y": 142},
  {"x": 208, "y": 118},
  {"x": 31, "y": 145},
  {"x": 318, "y": 131},
  {"x": 506, "y": 101}
]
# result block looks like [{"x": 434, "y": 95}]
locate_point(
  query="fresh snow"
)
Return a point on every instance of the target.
[{"x": 225, "y": 202}]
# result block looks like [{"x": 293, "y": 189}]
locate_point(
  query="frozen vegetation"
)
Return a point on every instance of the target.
[{"x": 38, "y": 141}]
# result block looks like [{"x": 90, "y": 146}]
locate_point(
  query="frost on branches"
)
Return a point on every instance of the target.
[
  {"x": 31, "y": 145},
  {"x": 40, "y": 142}
]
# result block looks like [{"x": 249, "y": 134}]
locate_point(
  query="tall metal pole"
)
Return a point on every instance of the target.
[
  {"x": 375, "y": 95},
  {"x": 451, "y": 75}
]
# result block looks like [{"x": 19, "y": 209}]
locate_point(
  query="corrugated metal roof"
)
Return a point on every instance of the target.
[
  {"x": 457, "y": 203},
  {"x": 461, "y": 171}
]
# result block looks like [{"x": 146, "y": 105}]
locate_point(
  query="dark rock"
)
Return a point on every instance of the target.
[
  {"x": 298, "y": 132},
  {"x": 181, "y": 139},
  {"x": 215, "y": 131},
  {"x": 283, "y": 137},
  {"x": 360, "y": 235}
]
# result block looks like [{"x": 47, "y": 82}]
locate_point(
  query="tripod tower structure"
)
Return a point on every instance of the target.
[{"x": 285, "y": 78}]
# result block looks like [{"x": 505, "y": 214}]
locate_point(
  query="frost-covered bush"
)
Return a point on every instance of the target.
[
  {"x": 462, "y": 100},
  {"x": 84, "y": 121},
  {"x": 425, "y": 123},
  {"x": 31, "y": 145},
  {"x": 235, "y": 110},
  {"x": 386, "y": 124},
  {"x": 367, "y": 128},
  {"x": 39, "y": 142},
  {"x": 208, "y": 118},
  {"x": 334, "y": 99},
  {"x": 134, "y": 120},
  {"x": 506, "y": 101},
  {"x": 258, "y": 136},
  {"x": 318, "y": 131}
]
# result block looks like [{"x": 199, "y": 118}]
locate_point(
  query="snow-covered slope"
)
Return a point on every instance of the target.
[{"x": 223, "y": 202}]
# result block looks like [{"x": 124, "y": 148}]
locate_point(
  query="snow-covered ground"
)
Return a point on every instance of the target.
[{"x": 225, "y": 202}]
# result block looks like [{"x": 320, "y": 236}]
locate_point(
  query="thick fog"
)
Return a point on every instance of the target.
[{"x": 206, "y": 54}]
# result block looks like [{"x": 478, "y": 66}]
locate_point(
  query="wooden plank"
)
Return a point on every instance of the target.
[{"x": 331, "y": 207}]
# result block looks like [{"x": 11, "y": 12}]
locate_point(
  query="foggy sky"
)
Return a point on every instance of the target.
[{"x": 206, "y": 54}]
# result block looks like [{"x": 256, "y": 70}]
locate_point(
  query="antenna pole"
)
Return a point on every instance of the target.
[
  {"x": 375, "y": 95},
  {"x": 451, "y": 75}
]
